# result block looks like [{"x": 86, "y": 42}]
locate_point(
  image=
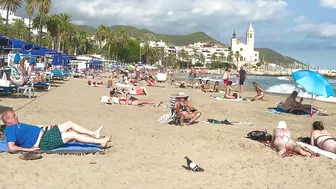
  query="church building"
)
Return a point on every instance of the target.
[{"x": 247, "y": 54}]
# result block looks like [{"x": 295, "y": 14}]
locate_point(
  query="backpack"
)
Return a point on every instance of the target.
[{"x": 259, "y": 135}]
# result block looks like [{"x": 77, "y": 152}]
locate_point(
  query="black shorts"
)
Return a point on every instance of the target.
[{"x": 241, "y": 81}]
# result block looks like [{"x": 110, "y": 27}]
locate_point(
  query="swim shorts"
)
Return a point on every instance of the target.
[
  {"x": 51, "y": 139},
  {"x": 241, "y": 81}
]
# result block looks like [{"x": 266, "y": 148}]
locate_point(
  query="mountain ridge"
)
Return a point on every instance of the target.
[{"x": 266, "y": 54}]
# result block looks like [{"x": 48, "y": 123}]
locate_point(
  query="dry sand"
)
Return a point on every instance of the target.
[{"x": 146, "y": 154}]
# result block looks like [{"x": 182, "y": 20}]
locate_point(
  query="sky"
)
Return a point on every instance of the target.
[{"x": 302, "y": 29}]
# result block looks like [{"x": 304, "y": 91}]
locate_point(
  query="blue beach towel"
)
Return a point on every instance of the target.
[
  {"x": 277, "y": 111},
  {"x": 69, "y": 148}
]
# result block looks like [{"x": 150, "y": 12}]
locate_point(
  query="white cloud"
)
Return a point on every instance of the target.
[
  {"x": 175, "y": 15},
  {"x": 328, "y": 3},
  {"x": 301, "y": 18},
  {"x": 325, "y": 30}
]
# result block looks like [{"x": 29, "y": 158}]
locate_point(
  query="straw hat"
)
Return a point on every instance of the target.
[
  {"x": 182, "y": 95},
  {"x": 282, "y": 125}
]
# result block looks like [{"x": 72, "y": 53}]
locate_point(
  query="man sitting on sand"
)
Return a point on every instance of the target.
[
  {"x": 24, "y": 137},
  {"x": 291, "y": 105}
]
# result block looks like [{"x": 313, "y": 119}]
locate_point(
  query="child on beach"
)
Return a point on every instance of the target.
[{"x": 260, "y": 92}]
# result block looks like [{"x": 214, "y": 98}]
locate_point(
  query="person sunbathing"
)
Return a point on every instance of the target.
[
  {"x": 260, "y": 92},
  {"x": 206, "y": 87},
  {"x": 130, "y": 100},
  {"x": 138, "y": 91},
  {"x": 25, "y": 137},
  {"x": 291, "y": 105},
  {"x": 282, "y": 142},
  {"x": 184, "y": 110},
  {"x": 321, "y": 138},
  {"x": 216, "y": 87},
  {"x": 228, "y": 91},
  {"x": 151, "y": 82}
]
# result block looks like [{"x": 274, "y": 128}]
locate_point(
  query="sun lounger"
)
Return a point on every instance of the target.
[
  {"x": 317, "y": 150},
  {"x": 41, "y": 85},
  {"x": 57, "y": 74},
  {"x": 71, "y": 148}
]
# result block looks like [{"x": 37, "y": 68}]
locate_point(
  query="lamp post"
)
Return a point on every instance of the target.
[{"x": 141, "y": 45}]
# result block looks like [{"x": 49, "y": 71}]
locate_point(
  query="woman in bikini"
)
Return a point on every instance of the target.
[
  {"x": 321, "y": 138},
  {"x": 282, "y": 142},
  {"x": 130, "y": 100},
  {"x": 260, "y": 92},
  {"x": 228, "y": 91},
  {"x": 185, "y": 110},
  {"x": 216, "y": 87}
]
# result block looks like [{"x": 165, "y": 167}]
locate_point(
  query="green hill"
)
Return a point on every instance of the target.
[
  {"x": 268, "y": 55},
  {"x": 271, "y": 56},
  {"x": 149, "y": 35}
]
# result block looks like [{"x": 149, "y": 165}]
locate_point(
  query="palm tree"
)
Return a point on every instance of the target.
[
  {"x": 10, "y": 6},
  {"x": 44, "y": 9},
  {"x": 65, "y": 27},
  {"x": 237, "y": 56},
  {"x": 102, "y": 34},
  {"x": 52, "y": 25},
  {"x": 30, "y": 9},
  {"x": 19, "y": 30}
]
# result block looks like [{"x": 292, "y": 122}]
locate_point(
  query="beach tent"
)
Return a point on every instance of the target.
[
  {"x": 38, "y": 52},
  {"x": 18, "y": 44}
]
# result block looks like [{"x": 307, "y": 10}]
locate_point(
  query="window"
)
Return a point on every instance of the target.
[{"x": 250, "y": 35}]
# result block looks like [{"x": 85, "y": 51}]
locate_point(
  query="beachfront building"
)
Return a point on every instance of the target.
[
  {"x": 244, "y": 53},
  {"x": 12, "y": 17}
]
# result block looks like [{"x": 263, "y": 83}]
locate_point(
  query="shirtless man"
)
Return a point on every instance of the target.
[
  {"x": 192, "y": 75},
  {"x": 24, "y": 137},
  {"x": 291, "y": 105}
]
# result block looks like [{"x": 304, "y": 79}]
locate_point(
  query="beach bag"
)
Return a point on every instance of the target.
[
  {"x": 3, "y": 81},
  {"x": 259, "y": 135},
  {"x": 166, "y": 119}
]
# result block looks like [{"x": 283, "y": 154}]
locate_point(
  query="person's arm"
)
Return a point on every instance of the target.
[
  {"x": 312, "y": 139},
  {"x": 260, "y": 89},
  {"x": 177, "y": 107},
  {"x": 13, "y": 148},
  {"x": 273, "y": 137},
  {"x": 189, "y": 106}
]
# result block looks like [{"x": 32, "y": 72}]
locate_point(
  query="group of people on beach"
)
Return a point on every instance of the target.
[{"x": 25, "y": 137}]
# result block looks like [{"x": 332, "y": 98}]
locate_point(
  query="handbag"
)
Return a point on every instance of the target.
[{"x": 3, "y": 81}]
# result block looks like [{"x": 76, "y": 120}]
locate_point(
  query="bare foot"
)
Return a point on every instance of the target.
[
  {"x": 97, "y": 132},
  {"x": 157, "y": 104},
  {"x": 104, "y": 142}
]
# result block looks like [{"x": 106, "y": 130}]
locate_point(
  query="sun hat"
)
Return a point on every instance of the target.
[
  {"x": 182, "y": 95},
  {"x": 282, "y": 125}
]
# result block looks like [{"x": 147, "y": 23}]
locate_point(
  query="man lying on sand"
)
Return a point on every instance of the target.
[
  {"x": 282, "y": 142},
  {"x": 24, "y": 137},
  {"x": 291, "y": 105}
]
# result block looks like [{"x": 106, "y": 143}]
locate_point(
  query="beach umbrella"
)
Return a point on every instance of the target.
[
  {"x": 313, "y": 83},
  {"x": 17, "y": 58}
]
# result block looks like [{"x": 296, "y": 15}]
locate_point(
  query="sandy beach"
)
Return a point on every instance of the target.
[{"x": 146, "y": 154}]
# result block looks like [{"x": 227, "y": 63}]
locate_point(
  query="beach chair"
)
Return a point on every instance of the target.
[
  {"x": 57, "y": 74},
  {"x": 66, "y": 73}
]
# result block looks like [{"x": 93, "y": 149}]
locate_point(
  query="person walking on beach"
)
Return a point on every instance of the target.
[
  {"x": 192, "y": 75},
  {"x": 226, "y": 77},
  {"x": 24, "y": 137},
  {"x": 242, "y": 77}
]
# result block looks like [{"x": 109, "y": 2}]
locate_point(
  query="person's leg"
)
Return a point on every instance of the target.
[
  {"x": 64, "y": 127},
  {"x": 74, "y": 136},
  {"x": 181, "y": 119},
  {"x": 300, "y": 151},
  {"x": 143, "y": 102},
  {"x": 229, "y": 96},
  {"x": 195, "y": 116},
  {"x": 145, "y": 91}
]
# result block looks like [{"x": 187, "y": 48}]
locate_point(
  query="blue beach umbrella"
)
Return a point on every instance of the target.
[
  {"x": 313, "y": 83},
  {"x": 17, "y": 58}
]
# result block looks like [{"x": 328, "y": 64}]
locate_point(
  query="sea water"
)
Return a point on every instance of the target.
[{"x": 271, "y": 84}]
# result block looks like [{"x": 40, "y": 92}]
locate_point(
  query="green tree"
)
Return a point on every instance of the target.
[
  {"x": 44, "y": 9},
  {"x": 19, "y": 30},
  {"x": 30, "y": 9},
  {"x": 9, "y": 6}
]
